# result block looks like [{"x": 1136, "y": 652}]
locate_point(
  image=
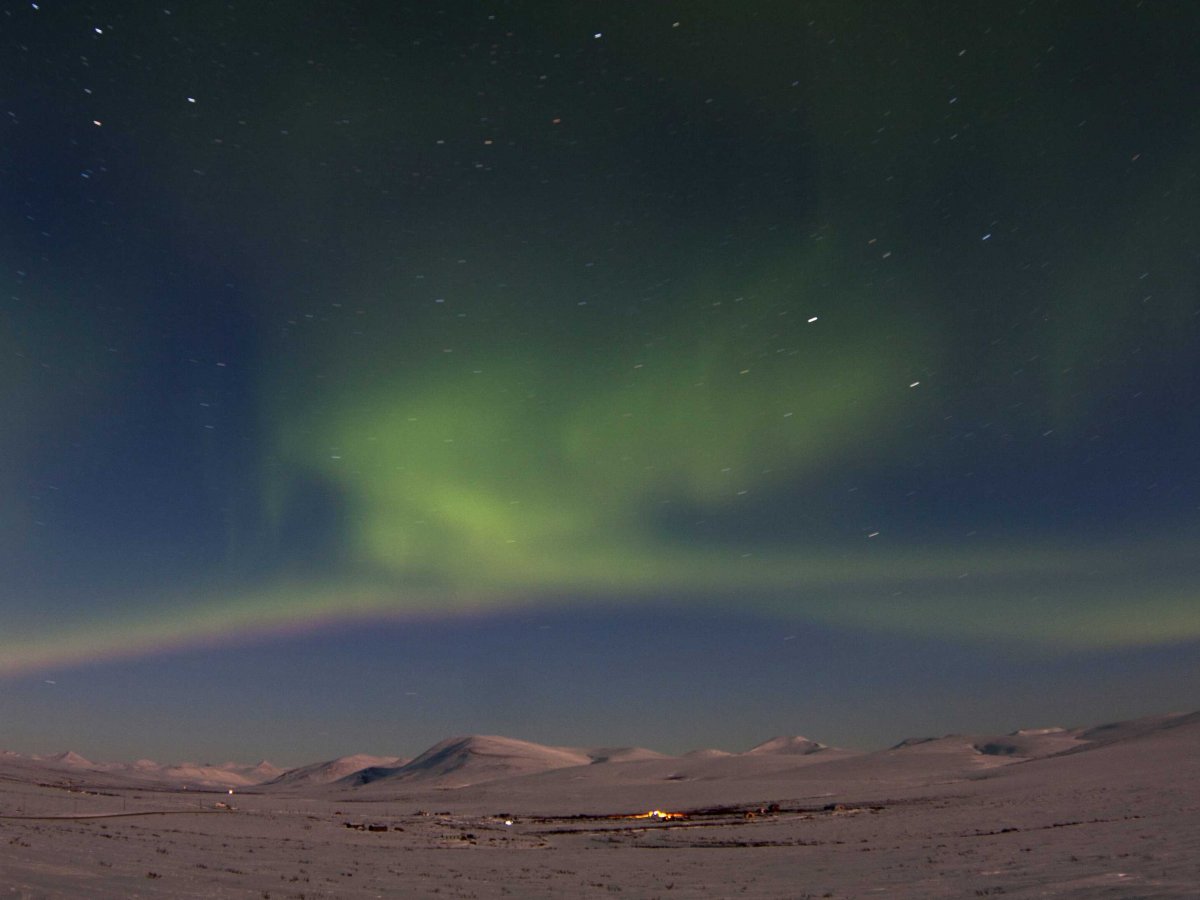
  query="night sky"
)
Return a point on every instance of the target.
[{"x": 674, "y": 374}]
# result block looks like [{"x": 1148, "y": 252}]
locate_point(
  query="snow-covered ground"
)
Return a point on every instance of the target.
[{"x": 1103, "y": 812}]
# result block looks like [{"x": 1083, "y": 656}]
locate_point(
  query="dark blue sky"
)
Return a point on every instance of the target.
[{"x": 844, "y": 354}]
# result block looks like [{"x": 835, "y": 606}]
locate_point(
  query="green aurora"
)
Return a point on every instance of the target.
[
  {"x": 635, "y": 340},
  {"x": 488, "y": 472}
]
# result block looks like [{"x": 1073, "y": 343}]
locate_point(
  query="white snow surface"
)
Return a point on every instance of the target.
[{"x": 1106, "y": 811}]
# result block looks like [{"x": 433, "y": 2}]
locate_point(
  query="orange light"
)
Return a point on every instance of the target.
[{"x": 658, "y": 814}]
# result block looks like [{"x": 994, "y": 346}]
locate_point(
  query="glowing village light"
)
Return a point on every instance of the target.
[{"x": 658, "y": 814}]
